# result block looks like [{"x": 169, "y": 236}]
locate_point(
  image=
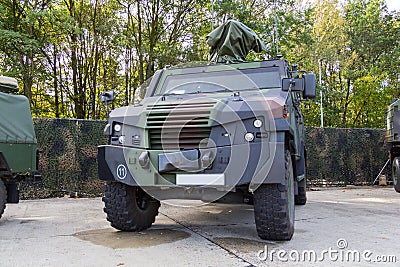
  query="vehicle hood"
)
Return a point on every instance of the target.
[{"x": 224, "y": 107}]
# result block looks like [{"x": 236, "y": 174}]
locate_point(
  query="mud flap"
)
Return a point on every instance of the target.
[{"x": 12, "y": 193}]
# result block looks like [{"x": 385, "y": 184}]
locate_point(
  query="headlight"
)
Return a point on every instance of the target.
[
  {"x": 257, "y": 123},
  {"x": 249, "y": 137},
  {"x": 121, "y": 139},
  {"x": 117, "y": 127}
]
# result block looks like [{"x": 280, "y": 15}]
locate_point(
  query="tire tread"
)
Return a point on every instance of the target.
[
  {"x": 122, "y": 210},
  {"x": 3, "y": 197},
  {"x": 271, "y": 210}
]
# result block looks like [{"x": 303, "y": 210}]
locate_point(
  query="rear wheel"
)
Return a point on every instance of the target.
[
  {"x": 129, "y": 208},
  {"x": 274, "y": 207},
  {"x": 396, "y": 174},
  {"x": 3, "y": 197}
]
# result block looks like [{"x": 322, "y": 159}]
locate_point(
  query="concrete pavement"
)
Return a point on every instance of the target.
[{"x": 354, "y": 223}]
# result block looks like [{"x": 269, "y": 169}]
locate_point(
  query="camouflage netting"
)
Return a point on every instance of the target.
[
  {"x": 68, "y": 152},
  {"x": 344, "y": 156},
  {"x": 69, "y": 149}
]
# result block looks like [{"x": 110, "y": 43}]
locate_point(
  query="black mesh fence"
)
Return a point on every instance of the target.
[{"x": 344, "y": 156}]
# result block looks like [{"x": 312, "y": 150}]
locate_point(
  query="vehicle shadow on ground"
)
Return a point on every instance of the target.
[{"x": 230, "y": 226}]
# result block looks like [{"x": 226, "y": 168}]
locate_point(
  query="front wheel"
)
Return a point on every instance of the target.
[
  {"x": 129, "y": 208},
  {"x": 274, "y": 207},
  {"x": 396, "y": 174},
  {"x": 3, "y": 197}
]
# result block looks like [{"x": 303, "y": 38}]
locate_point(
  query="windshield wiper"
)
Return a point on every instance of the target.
[
  {"x": 167, "y": 94},
  {"x": 270, "y": 87},
  {"x": 189, "y": 93},
  {"x": 221, "y": 91}
]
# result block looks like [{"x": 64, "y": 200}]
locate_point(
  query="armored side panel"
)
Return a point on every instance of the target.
[
  {"x": 18, "y": 142},
  {"x": 393, "y": 122}
]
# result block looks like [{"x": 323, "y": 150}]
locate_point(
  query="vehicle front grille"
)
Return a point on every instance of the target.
[{"x": 179, "y": 126}]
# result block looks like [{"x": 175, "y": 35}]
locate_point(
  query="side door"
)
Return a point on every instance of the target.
[{"x": 297, "y": 123}]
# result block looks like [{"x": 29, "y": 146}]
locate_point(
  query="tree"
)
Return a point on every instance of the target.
[
  {"x": 65, "y": 52},
  {"x": 21, "y": 39}
]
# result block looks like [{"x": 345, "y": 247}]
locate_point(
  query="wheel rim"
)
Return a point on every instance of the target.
[
  {"x": 395, "y": 172},
  {"x": 141, "y": 199}
]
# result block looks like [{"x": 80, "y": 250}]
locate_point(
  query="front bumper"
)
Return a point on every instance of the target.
[{"x": 221, "y": 167}]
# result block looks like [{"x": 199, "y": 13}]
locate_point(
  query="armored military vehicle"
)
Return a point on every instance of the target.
[
  {"x": 18, "y": 145},
  {"x": 228, "y": 128},
  {"x": 393, "y": 140}
]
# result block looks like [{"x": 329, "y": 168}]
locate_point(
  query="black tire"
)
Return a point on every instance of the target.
[
  {"x": 274, "y": 207},
  {"x": 3, "y": 197},
  {"x": 301, "y": 197},
  {"x": 129, "y": 208},
  {"x": 396, "y": 174}
]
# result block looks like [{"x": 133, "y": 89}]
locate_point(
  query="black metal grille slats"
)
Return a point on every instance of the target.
[
  {"x": 179, "y": 126},
  {"x": 136, "y": 142}
]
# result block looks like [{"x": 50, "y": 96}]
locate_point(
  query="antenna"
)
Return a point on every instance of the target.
[
  {"x": 212, "y": 15},
  {"x": 276, "y": 29}
]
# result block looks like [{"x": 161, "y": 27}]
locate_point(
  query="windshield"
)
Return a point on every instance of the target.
[{"x": 222, "y": 81}]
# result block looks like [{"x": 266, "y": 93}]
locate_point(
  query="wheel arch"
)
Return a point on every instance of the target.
[
  {"x": 394, "y": 151},
  {"x": 277, "y": 170},
  {"x": 4, "y": 167}
]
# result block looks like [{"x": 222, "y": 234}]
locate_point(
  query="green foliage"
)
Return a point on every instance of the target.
[
  {"x": 356, "y": 47},
  {"x": 66, "y": 53}
]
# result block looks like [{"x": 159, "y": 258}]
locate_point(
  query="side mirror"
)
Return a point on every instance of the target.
[
  {"x": 310, "y": 84},
  {"x": 107, "y": 96},
  {"x": 294, "y": 84}
]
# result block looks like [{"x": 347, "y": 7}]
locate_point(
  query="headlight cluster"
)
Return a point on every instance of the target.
[
  {"x": 257, "y": 123},
  {"x": 117, "y": 127},
  {"x": 125, "y": 135},
  {"x": 249, "y": 137},
  {"x": 121, "y": 139}
]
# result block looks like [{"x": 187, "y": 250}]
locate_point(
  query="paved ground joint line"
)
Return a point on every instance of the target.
[{"x": 208, "y": 239}]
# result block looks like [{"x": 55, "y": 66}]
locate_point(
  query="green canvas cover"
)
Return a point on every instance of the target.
[
  {"x": 8, "y": 84},
  {"x": 232, "y": 41},
  {"x": 16, "y": 124}
]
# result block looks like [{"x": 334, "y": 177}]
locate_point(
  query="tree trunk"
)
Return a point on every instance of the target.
[
  {"x": 79, "y": 113},
  {"x": 55, "y": 83}
]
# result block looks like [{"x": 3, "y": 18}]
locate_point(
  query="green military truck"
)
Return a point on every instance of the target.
[
  {"x": 229, "y": 130},
  {"x": 393, "y": 140},
  {"x": 18, "y": 145}
]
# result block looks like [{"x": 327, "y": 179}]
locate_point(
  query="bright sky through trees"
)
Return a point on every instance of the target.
[
  {"x": 393, "y": 4},
  {"x": 65, "y": 53}
]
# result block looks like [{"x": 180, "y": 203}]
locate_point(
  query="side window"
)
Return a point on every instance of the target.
[{"x": 140, "y": 92}]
